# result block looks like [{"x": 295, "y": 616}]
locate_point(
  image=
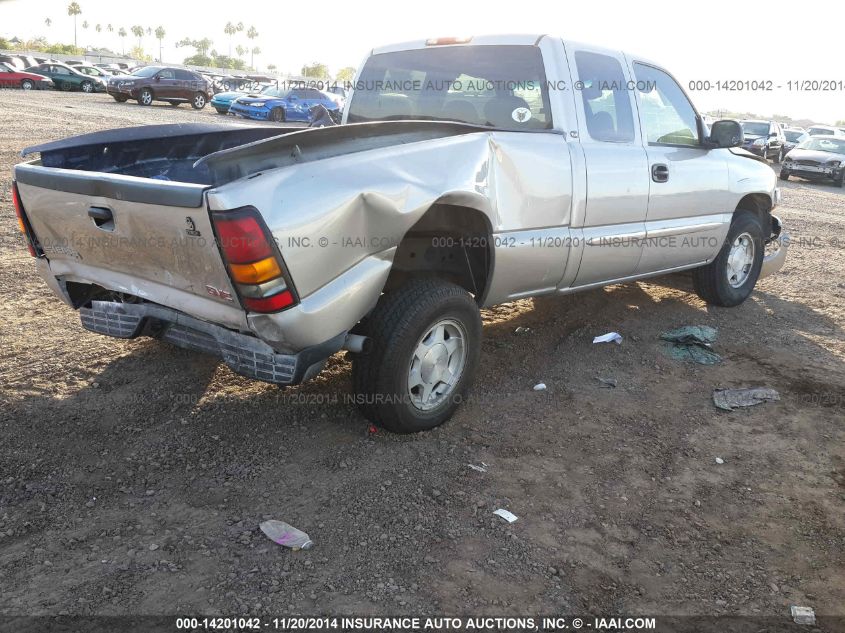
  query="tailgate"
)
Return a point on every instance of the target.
[{"x": 145, "y": 237}]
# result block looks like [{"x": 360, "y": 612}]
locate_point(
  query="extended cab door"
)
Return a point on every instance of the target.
[
  {"x": 617, "y": 181},
  {"x": 689, "y": 203}
]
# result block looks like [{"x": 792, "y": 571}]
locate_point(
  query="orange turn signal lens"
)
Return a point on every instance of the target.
[{"x": 256, "y": 272}]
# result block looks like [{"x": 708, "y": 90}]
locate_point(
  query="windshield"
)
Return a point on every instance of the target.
[
  {"x": 755, "y": 129},
  {"x": 834, "y": 146},
  {"x": 793, "y": 135},
  {"x": 275, "y": 91},
  {"x": 495, "y": 86},
  {"x": 821, "y": 130},
  {"x": 146, "y": 71}
]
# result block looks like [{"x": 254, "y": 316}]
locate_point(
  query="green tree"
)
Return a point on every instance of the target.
[
  {"x": 240, "y": 50},
  {"x": 138, "y": 53},
  {"x": 255, "y": 50},
  {"x": 345, "y": 74},
  {"x": 48, "y": 22},
  {"x": 201, "y": 46},
  {"x": 160, "y": 33},
  {"x": 230, "y": 29},
  {"x": 122, "y": 34},
  {"x": 316, "y": 71},
  {"x": 271, "y": 67},
  {"x": 138, "y": 31},
  {"x": 99, "y": 28},
  {"x": 73, "y": 9},
  {"x": 110, "y": 28},
  {"x": 251, "y": 34}
]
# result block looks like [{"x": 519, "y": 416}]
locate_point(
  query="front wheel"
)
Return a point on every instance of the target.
[
  {"x": 198, "y": 102},
  {"x": 730, "y": 278},
  {"x": 426, "y": 340},
  {"x": 146, "y": 97},
  {"x": 277, "y": 115},
  {"x": 27, "y": 84}
]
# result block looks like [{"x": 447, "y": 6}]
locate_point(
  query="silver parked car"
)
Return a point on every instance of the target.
[{"x": 467, "y": 173}]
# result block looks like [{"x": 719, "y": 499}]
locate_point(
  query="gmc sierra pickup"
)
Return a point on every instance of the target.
[{"x": 466, "y": 173}]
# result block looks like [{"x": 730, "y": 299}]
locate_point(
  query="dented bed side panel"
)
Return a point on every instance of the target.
[{"x": 332, "y": 213}]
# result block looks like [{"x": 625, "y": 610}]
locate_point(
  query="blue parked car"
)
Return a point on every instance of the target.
[
  {"x": 284, "y": 104},
  {"x": 222, "y": 100}
]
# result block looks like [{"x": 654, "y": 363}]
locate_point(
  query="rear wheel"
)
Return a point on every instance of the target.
[
  {"x": 426, "y": 340},
  {"x": 27, "y": 84},
  {"x": 730, "y": 278},
  {"x": 277, "y": 115},
  {"x": 198, "y": 102},
  {"x": 87, "y": 86},
  {"x": 146, "y": 97}
]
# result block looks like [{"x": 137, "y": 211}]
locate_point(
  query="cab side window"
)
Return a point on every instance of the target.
[
  {"x": 667, "y": 116},
  {"x": 166, "y": 74},
  {"x": 607, "y": 104}
]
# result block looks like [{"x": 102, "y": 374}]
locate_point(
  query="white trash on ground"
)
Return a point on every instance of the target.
[
  {"x": 802, "y": 615},
  {"x": 540, "y": 386},
  {"x": 614, "y": 337},
  {"x": 481, "y": 469},
  {"x": 510, "y": 517},
  {"x": 719, "y": 460},
  {"x": 287, "y": 535},
  {"x": 730, "y": 399}
]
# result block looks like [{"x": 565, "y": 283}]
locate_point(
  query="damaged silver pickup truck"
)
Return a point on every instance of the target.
[{"x": 466, "y": 173}]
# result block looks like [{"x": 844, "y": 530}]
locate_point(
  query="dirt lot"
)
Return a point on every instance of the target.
[{"x": 133, "y": 474}]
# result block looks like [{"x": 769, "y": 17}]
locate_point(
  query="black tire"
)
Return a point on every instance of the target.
[
  {"x": 396, "y": 327},
  {"x": 27, "y": 84},
  {"x": 779, "y": 157},
  {"x": 841, "y": 182},
  {"x": 784, "y": 175},
  {"x": 711, "y": 281},
  {"x": 65, "y": 86},
  {"x": 87, "y": 86},
  {"x": 145, "y": 98},
  {"x": 120, "y": 99},
  {"x": 198, "y": 101},
  {"x": 277, "y": 115}
]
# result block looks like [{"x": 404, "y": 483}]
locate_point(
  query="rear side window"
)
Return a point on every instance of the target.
[
  {"x": 606, "y": 99},
  {"x": 667, "y": 115},
  {"x": 185, "y": 75}
]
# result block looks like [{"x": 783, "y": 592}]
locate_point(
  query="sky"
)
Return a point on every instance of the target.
[{"x": 736, "y": 41}]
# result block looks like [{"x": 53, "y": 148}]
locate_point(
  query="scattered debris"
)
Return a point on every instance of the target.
[
  {"x": 610, "y": 383},
  {"x": 510, "y": 517},
  {"x": 540, "y": 386},
  {"x": 287, "y": 535},
  {"x": 692, "y": 342},
  {"x": 719, "y": 460},
  {"x": 522, "y": 331},
  {"x": 614, "y": 337},
  {"x": 802, "y": 615},
  {"x": 481, "y": 469},
  {"x": 730, "y": 399}
]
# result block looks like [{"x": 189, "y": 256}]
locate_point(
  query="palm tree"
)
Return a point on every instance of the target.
[
  {"x": 149, "y": 30},
  {"x": 240, "y": 50},
  {"x": 160, "y": 33},
  {"x": 109, "y": 28},
  {"x": 48, "y": 22},
  {"x": 230, "y": 29},
  {"x": 122, "y": 34},
  {"x": 73, "y": 9},
  {"x": 138, "y": 31},
  {"x": 255, "y": 51},
  {"x": 99, "y": 28},
  {"x": 251, "y": 34}
]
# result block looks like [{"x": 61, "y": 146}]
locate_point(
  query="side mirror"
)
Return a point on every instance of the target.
[
  {"x": 158, "y": 77},
  {"x": 726, "y": 133}
]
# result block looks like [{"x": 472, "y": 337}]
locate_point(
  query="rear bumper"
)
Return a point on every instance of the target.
[{"x": 244, "y": 354}]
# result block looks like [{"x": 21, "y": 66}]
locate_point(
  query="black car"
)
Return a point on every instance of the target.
[
  {"x": 764, "y": 138},
  {"x": 158, "y": 83},
  {"x": 793, "y": 139},
  {"x": 817, "y": 158}
]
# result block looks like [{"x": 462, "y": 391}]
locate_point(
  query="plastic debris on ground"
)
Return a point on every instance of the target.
[
  {"x": 287, "y": 535},
  {"x": 802, "y": 615},
  {"x": 730, "y": 399},
  {"x": 609, "y": 383},
  {"x": 614, "y": 337},
  {"x": 522, "y": 331},
  {"x": 481, "y": 469},
  {"x": 510, "y": 517},
  {"x": 540, "y": 386},
  {"x": 719, "y": 460},
  {"x": 691, "y": 342}
]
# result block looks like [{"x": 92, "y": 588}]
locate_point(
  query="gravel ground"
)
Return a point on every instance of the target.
[{"x": 134, "y": 474}]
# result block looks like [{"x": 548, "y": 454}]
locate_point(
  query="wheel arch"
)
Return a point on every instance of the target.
[
  {"x": 760, "y": 204},
  {"x": 452, "y": 240}
]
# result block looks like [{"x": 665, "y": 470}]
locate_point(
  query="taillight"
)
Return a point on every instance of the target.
[
  {"x": 254, "y": 264},
  {"x": 23, "y": 223}
]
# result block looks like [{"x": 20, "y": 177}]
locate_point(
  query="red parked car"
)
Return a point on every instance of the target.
[{"x": 11, "y": 77}]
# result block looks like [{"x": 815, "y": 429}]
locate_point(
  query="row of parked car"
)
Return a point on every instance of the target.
[{"x": 816, "y": 153}]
